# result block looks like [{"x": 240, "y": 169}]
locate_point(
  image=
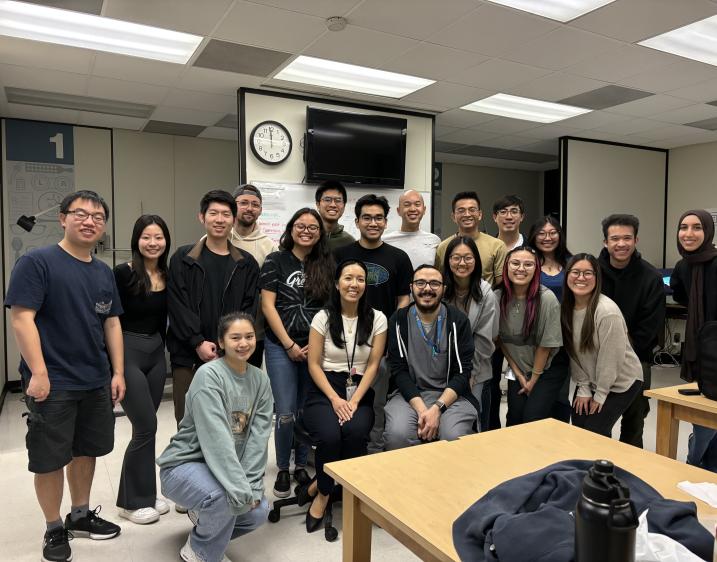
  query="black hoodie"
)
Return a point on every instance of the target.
[{"x": 639, "y": 292}]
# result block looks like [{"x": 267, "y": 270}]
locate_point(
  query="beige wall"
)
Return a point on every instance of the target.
[
  {"x": 491, "y": 184},
  {"x": 692, "y": 174}
]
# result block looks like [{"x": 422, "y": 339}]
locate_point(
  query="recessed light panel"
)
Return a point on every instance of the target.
[
  {"x": 559, "y": 10},
  {"x": 527, "y": 109},
  {"x": 342, "y": 76},
  {"x": 696, "y": 41},
  {"x": 76, "y": 29}
]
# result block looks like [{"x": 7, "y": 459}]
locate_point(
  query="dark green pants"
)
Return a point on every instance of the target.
[{"x": 633, "y": 420}]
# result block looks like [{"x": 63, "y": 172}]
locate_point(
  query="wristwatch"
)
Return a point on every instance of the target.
[{"x": 441, "y": 405}]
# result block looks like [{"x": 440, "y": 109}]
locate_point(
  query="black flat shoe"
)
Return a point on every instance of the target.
[
  {"x": 302, "y": 494},
  {"x": 313, "y": 523}
]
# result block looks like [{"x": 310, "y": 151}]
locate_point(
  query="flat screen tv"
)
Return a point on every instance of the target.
[{"x": 355, "y": 148}]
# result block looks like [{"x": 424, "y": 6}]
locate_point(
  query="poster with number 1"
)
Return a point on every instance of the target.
[{"x": 38, "y": 170}]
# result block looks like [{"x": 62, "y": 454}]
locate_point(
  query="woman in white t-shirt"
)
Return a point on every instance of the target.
[{"x": 346, "y": 343}]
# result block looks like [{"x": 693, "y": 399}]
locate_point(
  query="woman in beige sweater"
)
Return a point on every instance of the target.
[{"x": 603, "y": 364}]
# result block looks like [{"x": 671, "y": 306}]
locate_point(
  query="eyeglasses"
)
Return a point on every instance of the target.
[
  {"x": 421, "y": 284},
  {"x": 516, "y": 264},
  {"x": 469, "y": 211},
  {"x": 252, "y": 204},
  {"x": 81, "y": 216},
  {"x": 576, "y": 273},
  {"x": 328, "y": 200},
  {"x": 512, "y": 212},
  {"x": 548, "y": 234},
  {"x": 378, "y": 219},
  {"x": 312, "y": 228},
  {"x": 456, "y": 259}
]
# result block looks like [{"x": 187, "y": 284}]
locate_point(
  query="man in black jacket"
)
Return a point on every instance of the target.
[
  {"x": 206, "y": 281},
  {"x": 637, "y": 288},
  {"x": 430, "y": 351}
]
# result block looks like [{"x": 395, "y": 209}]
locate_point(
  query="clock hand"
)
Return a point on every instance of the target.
[{"x": 271, "y": 139}]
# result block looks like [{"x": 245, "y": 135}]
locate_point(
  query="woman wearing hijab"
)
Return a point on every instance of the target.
[{"x": 694, "y": 282}]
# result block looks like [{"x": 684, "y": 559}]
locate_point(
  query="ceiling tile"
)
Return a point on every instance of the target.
[
  {"x": 497, "y": 74},
  {"x": 93, "y": 7},
  {"x": 449, "y": 158},
  {"x": 707, "y": 124},
  {"x": 47, "y": 80},
  {"x": 110, "y": 121},
  {"x": 697, "y": 137},
  {"x": 630, "y": 126},
  {"x": 201, "y": 100},
  {"x": 607, "y": 96},
  {"x": 216, "y": 81},
  {"x": 544, "y": 147},
  {"x": 688, "y": 114},
  {"x": 242, "y": 59},
  {"x": 556, "y": 86},
  {"x": 468, "y": 136},
  {"x": 322, "y": 8},
  {"x": 357, "y": 45},
  {"x": 169, "y": 128},
  {"x": 188, "y": 116},
  {"x": 634, "y": 20},
  {"x": 219, "y": 133},
  {"x": 23, "y": 52},
  {"x": 670, "y": 131},
  {"x": 189, "y": 16},
  {"x": 37, "y": 113},
  {"x": 551, "y": 131},
  {"x": 125, "y": 91},
  {"x": 593, "y": 119},
  {"x": 463, "y": 118},
  {"x": 625, "y": 60},
  {"x": 411, "y": 18},
  {"x": 704, "y": 91},
  {"x": 650, "y": 106},
  {"x": 134, "y": 69},
  {"x": 561, "y": 48},
  {"x": 493, "y": 30},
  {"x": 446, "y": 147},
  {"x": 440, "y": 130},
  {"x": 666, "y": 78},
  {"x": 447, "y": 94},
  {"x": 506, "y": 125},
  {"x": 272, "y": 28},
  {"x": 433, "y": 61},
  {"x": 508, "y": 141}
]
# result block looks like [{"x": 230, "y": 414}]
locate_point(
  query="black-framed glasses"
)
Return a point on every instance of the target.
[
  {"x": 313, "y": 228},
  {"x": 81, "y": 215},
  {"x": 421, "y": 284}
]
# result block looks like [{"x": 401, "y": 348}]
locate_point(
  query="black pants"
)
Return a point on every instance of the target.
[
  {"x": 493, "y": 418},
  {"x": 257, "y": 358},
  {"x": 562, "y": 408},
  {"x": 333, "y": 441},
  {"x": 633, "y": 419},
  {"x": 615, "y": 404},
  {"x": 144, "y": 372},
  {"x": 539, "y": 404}
]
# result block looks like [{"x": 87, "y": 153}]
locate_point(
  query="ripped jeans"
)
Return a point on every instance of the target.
[{"x": 289, "y": 385}]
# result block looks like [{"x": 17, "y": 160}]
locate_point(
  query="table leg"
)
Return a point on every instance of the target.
[
  {"x": 356, "y": 529},
  {"x": 667, "y": 430}
]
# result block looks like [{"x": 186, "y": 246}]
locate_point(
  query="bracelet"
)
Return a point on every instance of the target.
[{"x": 288, "y": 348}]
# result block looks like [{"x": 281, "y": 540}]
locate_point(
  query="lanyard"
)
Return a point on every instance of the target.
[
  {"x": 350, "y": 362},
  {"x": 439, "y": 325}
]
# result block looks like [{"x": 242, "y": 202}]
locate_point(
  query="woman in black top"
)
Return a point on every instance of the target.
[
  {"x": 295, "y": 284},
  {"x": 141, "y": 284}
]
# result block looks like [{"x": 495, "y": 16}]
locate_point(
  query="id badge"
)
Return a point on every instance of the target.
[{"x": 350, "y": 391}]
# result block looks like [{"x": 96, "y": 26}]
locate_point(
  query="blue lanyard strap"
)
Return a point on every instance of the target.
[{"x": 434, "y": 345}]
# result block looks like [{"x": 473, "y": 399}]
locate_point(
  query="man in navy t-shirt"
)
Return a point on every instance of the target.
[{"x": 64, "y": 309}]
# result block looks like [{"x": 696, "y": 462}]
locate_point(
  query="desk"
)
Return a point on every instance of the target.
[
  {"x": 673, "y": 407},
  {"x": 416, "y": 494}
]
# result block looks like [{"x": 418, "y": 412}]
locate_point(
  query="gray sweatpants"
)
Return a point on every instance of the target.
[{"x": 402, "y": 420}]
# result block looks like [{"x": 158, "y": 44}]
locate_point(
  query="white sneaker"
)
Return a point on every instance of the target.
[
  {"x": 188, "y": 555},
  {"x": 180, "y": 508},
  {"x": 142, "y": 516},
  {"x": 161, "y": 506}
]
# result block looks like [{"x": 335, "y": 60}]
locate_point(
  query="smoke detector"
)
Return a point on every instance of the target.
[{"x": 336, "y": 23}]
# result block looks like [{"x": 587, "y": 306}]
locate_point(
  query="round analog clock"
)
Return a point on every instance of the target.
[{"x": 270, "y": 142}]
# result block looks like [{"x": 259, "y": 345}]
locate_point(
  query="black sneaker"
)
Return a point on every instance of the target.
[
  {"x": 282, "y": 486},
  {"x": 92, "y": 526},
  {"x": 302, "y": 477},
  {"x": 56, "y": 546}
]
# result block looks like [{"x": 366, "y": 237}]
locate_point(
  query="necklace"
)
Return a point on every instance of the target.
[
  {"x": 350, "y": 324},
  {"x": 517, "y": 306}
]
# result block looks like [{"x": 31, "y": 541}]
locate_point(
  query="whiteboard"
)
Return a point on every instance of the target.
[{"x": 281, "y": 200}]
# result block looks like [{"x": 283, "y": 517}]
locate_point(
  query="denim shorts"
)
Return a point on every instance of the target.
[{"x": 67, "y": 424}]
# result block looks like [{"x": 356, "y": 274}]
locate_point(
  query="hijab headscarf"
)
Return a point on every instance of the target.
[{"x": 696, "y": 261}]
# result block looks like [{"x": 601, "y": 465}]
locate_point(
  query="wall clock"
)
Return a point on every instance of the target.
[{"x": 270, "y": 142}]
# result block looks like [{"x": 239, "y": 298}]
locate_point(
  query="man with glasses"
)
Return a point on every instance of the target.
[
  {"x": 508, "y": 214},
  {"x": 64, "y": 310},
  {"x": 387, "y": 285},
  {"x": 247, "y": 235},
  {"x": 467, "y": 216},
  {"x": 637, "y": 289},
  {"x": 331, "y": 199},
  {"x": 430, "y": 351},
  {"x": 206, "y": 281},
  {"x": 420, "y": 245}
]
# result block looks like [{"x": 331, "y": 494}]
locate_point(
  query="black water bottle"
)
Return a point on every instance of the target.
[{"x": 605, "y": 518}]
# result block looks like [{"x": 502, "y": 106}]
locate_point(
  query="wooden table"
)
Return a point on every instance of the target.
[
  {"x": 673, "y": 407},
  {"x": 416, "y": 494}
]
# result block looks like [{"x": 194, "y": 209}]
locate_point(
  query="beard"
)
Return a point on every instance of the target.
[
  {"x": 426, "y": 309},
  {"x": 244, "y": 223}
]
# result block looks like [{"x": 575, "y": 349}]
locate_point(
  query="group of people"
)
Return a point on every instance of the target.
[{"x": 372, "y": 344}]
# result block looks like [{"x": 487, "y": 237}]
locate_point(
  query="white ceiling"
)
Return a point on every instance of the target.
[{"x": 472, "y": 48}]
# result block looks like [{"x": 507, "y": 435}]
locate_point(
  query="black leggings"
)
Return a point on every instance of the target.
[
  {"x": 539, "y": 405},
  {"x": 615, "y": 404},
  {"x": 336, "y": 442},
  {"x": 144, "y": 372}
]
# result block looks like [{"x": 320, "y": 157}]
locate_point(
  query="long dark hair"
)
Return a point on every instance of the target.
[
  {"x": 532, "y": 298},
  {"x": 474, "y": 290},
  {"x": 319, "y": 263},
  {"x": 568, "y": 306},
  {"x": 140, "y": 283},
  {"x": 562, "y": 254},
  {"x": 333, "y": 309}
]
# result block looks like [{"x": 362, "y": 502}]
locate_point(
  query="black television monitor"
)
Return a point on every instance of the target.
[{"x": 355, "y": 148}]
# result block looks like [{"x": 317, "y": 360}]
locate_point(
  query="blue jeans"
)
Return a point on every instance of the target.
[
  {"x": 289, "y": 385},
  {"x": 193, "y": 485},
  {"x": 702, "y": 448}
]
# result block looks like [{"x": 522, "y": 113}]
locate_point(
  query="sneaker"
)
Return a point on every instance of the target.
[
  {"x": 180, "y": 508},
  {"x": 56, "y": 546},
  {"x": 92, "y": 526},
  {"x": 141, "y": 516},
  {"x": 282, "y": 486},
  {"x": 193, "y": 516},
  {"x": 301, "y": 476},
  {"x": 188, "y": 555},
  {"x": 161, "y": 506}
]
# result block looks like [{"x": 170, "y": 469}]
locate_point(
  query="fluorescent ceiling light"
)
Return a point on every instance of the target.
[
  {"x": 560, "y": 10},
  {"x": 342, "y": 76},
  {"x": 76, "y": 29},
  {"x": 81, "y": 103},
  {"x": 696, "y": 41},
  {"x": 525, "y": 108}
]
